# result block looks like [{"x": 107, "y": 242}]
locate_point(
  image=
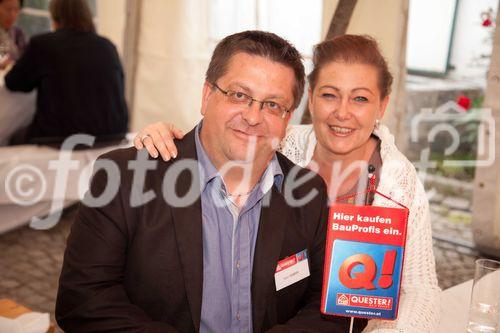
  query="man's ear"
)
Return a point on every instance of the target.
[
  {"x": 207, "y": 90},
  {"x": 309, "y": 101}
]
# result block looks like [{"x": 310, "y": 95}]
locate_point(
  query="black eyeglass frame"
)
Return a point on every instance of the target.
[{"x": 250, "y": 99}]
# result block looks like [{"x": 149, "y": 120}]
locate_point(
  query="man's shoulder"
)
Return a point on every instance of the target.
[
  {"x": 103, "y": 40},
  {"x": 127, "y": 160},
  {"x": 307, "y": 179},
  {"x": 123, "y": 156},
  {"x": 45, "y": 42},
  {"x": 289, "y": 167},
  {"x": 120, "y": 155},
  {"x": 42, "y": 38}
]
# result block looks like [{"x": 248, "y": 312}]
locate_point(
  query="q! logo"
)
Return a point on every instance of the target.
[{"x": 364, "y": 279}]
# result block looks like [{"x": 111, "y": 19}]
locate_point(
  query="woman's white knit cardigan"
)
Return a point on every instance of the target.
[{"x": 419, "y": 306}]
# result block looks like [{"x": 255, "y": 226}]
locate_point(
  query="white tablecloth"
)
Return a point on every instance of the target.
[
  {"x": 16, "y": 110},
  {"x": 455, "y": 308},
  {"x": 26, "y": 168}
]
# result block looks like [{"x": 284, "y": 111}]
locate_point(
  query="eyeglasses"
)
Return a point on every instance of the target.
[{"x": 242, "y": 99}]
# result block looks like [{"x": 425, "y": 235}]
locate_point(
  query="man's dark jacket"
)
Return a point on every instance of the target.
[{"x": 141, "y": 269}]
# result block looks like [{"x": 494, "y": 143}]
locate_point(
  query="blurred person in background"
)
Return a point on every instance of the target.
[
  {"x": 78, "y": 76},
  {"x": 12, "y": 38}
]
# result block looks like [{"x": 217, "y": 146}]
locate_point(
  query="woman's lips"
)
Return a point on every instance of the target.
[{"x": 340, "y": 130}]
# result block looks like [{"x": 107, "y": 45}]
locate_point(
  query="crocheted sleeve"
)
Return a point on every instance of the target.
[
  {"x": 296, "y": 143},
  {"x": 419, "y": 303},
  {"x": 419, "y": 307}
]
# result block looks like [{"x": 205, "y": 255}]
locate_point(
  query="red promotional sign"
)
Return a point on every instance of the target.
[{"x": 364, "y": 261}]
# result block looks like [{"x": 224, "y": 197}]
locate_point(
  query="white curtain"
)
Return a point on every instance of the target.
[
  {"x": 174, "y": 49},
  {"x": 173, "y": 54}
]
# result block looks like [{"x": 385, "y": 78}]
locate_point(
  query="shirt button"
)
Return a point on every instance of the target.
[
  {"x": 238, "y": 264},
  {"x": 238, "y": 316}
]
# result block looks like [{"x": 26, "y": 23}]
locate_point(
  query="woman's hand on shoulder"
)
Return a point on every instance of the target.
[{"x": 159, "y": 138}]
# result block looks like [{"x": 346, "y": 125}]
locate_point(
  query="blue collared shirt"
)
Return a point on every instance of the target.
[{"x": 229, "y": 237}]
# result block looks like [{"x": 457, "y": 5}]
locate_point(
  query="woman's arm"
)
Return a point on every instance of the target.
[
  {"x": 158, "y": 139},
  {"x": 419, "y": 306}
]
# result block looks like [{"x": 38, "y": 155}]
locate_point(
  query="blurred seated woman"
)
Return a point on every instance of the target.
[
  {"x": 12, "y": 38},
  {"x": 349, "y": 90},
  {"x": 78, "y": 77}
]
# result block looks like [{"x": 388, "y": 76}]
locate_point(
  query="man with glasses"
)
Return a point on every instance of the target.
[{"x": 242, "y": 256}]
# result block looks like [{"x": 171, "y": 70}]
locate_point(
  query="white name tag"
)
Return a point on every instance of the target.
[{"x": 291, "y": 270}]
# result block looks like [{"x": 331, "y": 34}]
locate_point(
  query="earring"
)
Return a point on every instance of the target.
[{"x": 377, "y": 123}]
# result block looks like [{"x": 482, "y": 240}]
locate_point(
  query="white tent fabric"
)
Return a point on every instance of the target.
[{"x": 174, "y": 50}]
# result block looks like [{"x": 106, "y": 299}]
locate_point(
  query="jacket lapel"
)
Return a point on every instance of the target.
[
  {"x": 267, "y": 252},
  {"x": 188, "y": 229}
]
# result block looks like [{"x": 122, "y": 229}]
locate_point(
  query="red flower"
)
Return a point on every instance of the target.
[
  {"x": 464, "y": 102},
  {"x": 487, "y": 22}
]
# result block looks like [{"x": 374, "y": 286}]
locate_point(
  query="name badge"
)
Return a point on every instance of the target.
[{"x": 291, "y": 269}]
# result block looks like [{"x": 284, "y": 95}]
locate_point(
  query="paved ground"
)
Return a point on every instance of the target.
[{"x": 30, "y": 262}]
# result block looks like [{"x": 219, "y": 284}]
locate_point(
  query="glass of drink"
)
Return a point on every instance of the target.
[{"x": 484, "y": 307}]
